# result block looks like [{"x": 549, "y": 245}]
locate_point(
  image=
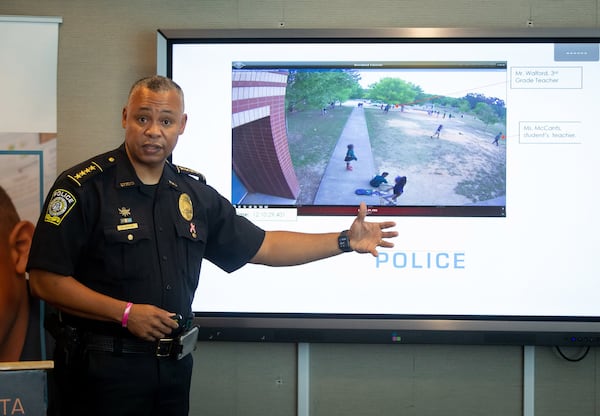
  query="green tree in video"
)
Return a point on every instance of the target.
[
  {"x": 393, "y": 91},
  {"x": 312, "y": 89}
]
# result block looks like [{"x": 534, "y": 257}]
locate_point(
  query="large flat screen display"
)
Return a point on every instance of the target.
[{"x": 481, "y": 146}]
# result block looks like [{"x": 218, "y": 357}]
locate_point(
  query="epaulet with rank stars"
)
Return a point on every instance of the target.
[
  {"x": 92, "y": 167},
  {"x": 192, "y": 172}
]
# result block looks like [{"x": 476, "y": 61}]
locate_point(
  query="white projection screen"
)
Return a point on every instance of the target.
[{"x": 499, "y": 233}]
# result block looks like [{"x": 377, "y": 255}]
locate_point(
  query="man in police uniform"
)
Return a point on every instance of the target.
[{"x": 118, "y": 250}]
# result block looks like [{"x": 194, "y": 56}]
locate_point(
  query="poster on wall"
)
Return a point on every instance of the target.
[{"x": 28, "y": 140}]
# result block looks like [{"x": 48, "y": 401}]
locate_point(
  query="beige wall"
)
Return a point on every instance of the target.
[{"x": 105, "y": 45}]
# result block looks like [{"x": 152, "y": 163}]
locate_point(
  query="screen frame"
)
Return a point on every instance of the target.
[{"x": 404, "y": 329}]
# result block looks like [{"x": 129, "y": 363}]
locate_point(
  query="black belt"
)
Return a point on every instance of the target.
[{"x": 165, "y": 347}]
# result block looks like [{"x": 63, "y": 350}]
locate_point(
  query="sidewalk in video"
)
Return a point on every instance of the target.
[{"x": 338, "y": 185}]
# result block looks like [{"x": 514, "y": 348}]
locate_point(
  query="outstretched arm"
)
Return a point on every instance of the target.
[{"x": 285, "y": 248}]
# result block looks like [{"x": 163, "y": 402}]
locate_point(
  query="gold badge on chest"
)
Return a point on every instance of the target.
[{"x": 185, "y": 207}]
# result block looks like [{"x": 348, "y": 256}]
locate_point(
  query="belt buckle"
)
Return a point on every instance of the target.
[{"x": 164, "y": 347}]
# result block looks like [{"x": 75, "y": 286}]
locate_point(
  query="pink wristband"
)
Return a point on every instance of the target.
[{"x": 125, "y": 317}]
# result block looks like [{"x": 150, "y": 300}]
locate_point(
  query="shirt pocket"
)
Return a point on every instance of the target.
[
  {"x": 128, "y": 253},
  {"x": 191, "y": 245}
]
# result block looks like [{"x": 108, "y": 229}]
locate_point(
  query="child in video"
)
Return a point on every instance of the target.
[{"x": 350, "y": 156}]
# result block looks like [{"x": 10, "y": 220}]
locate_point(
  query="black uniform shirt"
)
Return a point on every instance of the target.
[{"x": 135, "y": 242}]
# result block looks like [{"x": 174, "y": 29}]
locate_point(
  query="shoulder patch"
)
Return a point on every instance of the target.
[
  {"x": 191, "y": 172},
  {"x": 92, "y": 167},
  {"x": 59, "y": 206}
]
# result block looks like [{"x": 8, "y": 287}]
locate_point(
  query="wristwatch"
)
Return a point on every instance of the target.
[{"x": 344, "y": 242}]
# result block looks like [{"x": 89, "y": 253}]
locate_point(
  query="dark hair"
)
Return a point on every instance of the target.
[{"x": 156, "y": 83}]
